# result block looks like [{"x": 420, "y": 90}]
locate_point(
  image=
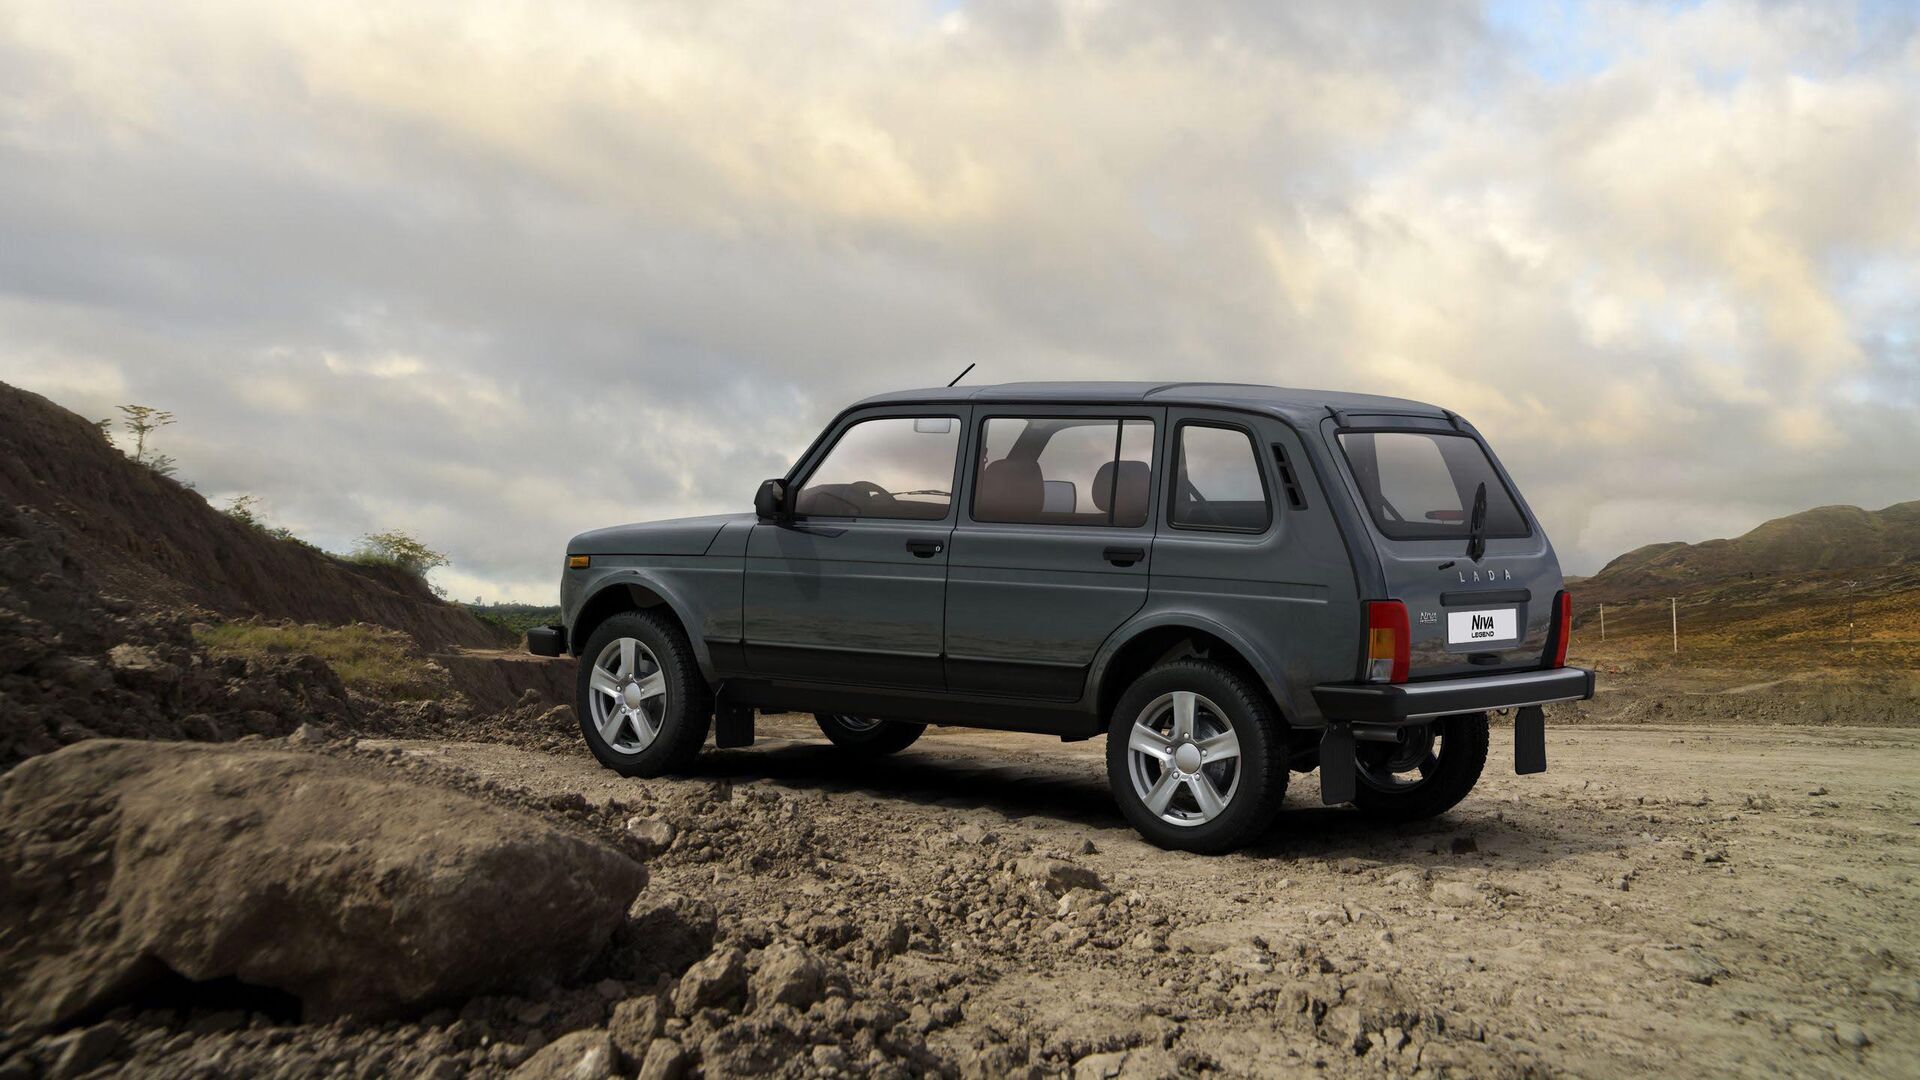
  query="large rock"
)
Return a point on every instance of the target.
[{"x": 333, "y": 880}]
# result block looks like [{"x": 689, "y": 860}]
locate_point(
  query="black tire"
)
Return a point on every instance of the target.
[
  {"x": 882, "y": 738},
  {"x": 1460, "y": 751},
  {"x": 1259, "y": 778},
  {"x": 687, "y": 714}
]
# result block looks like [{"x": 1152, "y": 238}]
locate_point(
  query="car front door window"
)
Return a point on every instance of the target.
[{"x": 894, "y": 468}]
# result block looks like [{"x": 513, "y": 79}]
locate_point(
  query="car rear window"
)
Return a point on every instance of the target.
[
  {"x": 1217, "y": 482},
  {"x": 1419, "y": 485}
]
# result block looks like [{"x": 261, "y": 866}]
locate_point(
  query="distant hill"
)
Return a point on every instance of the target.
[
  {"x": 1827, "y": 541},
  {"x": 156, "y": 542}
]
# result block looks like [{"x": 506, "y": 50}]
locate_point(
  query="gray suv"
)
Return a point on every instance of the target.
[{"x": 1231, "y": 582}]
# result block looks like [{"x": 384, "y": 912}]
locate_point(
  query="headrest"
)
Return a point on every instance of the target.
[
  {"x": 1129, "y": 497},
  {"x": 1011, "y": 489}
]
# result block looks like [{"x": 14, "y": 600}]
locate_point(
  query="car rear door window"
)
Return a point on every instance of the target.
[
  {"x": 895, "y": 467},
  {"x": 1420, "y": 485},
  {"x": 1217, "y": 482},
  {"x": 1078, "y": 470}
]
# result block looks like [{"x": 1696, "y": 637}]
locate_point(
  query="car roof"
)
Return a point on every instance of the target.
[{"x": 1306, "y": 406}]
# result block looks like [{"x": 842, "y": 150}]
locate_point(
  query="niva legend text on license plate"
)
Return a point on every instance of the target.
[{"x": 1468, "y": 627}]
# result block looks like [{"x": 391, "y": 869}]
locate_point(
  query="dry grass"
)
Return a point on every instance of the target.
[
  {"x": 371, "y": 659},
  {"x": 1776, "y": 635}
]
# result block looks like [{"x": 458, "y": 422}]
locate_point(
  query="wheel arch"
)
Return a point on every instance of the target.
[
  {"x": 1141, "y": 645},
  {"x": 632, "y": 590}
]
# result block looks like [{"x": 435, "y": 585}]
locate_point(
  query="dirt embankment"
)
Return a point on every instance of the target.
[
  {"x": 156, "y": 542},
  {"x": 77, "y": 664}
]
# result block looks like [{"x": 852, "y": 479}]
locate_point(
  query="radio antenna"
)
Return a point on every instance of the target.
[{"x": 962, "y": 375}]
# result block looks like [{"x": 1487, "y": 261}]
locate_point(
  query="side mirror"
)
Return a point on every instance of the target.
[{"x": 770, "y": 502}]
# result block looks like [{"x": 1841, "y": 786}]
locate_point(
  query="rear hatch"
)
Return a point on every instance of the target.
[{"x": 1417, "y": 480}]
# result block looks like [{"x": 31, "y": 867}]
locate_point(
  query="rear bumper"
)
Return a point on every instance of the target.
[
  {"x": 547, "y": 640},
  {"x": 1399, "y": 703}
]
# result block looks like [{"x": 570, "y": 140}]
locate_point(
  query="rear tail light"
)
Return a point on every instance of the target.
[
  {"x": 1562, "y": 628},
  {"x": 1387, "y": 641}
]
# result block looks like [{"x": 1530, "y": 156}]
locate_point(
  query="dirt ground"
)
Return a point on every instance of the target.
[{"x": 1664, "y": 901}]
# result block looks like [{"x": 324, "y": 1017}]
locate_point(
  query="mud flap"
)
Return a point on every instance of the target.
[
  {"x": 1338, "y": 776},
  {"x": 1529, "y": 740},
  {"x": 732, "y": 725}
]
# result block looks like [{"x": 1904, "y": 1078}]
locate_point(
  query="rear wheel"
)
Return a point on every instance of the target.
[
  {"x": 1426, "y": 773},
  {"x": 1195, "y": 757},
  {"x": 866, "y": 735},
  {"x": 644, "y": 707}
]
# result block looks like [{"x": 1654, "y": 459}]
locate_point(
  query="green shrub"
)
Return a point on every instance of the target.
[
  {"x": 396, "y": 549},
  {"x": 514, "y": 620},
  {"x": 243, "y": 510}
]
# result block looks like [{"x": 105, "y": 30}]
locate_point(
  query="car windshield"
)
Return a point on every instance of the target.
[{"x": 1420, "y": 485}]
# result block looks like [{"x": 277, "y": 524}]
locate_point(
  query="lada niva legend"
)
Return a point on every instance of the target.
[{"x": 1230, "y": 582}]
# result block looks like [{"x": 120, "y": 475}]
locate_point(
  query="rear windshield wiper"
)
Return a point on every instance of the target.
[{"x": 1477, "y": 529}]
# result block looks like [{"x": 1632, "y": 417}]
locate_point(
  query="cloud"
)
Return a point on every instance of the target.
[{"x": 496, "y": 273}]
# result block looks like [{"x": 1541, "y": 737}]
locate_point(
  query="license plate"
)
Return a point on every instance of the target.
[{"x": 1474, "y": 627}]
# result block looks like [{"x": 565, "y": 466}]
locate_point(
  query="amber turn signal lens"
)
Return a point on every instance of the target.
[{"x": 578, "y": 562}]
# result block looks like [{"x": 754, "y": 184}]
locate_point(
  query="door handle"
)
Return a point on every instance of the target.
[
  {"x": 1125, "y": 556},
  {"x": 925, "y": 549}
]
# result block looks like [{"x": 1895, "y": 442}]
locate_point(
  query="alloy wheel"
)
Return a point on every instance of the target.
[
  {"x": 629, "y": 699},
  {"x": 1184, "y": 759}
]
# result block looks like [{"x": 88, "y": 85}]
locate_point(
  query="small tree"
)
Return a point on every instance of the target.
[
  {"x": 396, "y": 548},
  {"x": 241, "y": 509},
  {"x": 142, "y": 421}
]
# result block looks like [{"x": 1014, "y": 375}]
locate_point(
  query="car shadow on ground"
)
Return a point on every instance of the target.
[
  {"x": 1067, "y": 793},
  {"x": 1062, "y": 792}
]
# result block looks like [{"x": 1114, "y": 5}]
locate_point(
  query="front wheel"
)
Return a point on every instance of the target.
[
  {"x": 867, "y": 736},
  {"x": 1425, "y": 773},
  {"x": 644, "y": 706},
  {"x": 1196, "y": 758}
]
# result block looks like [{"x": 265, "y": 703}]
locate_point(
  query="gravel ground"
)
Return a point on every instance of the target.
[{"x": 1662, "y": 901}]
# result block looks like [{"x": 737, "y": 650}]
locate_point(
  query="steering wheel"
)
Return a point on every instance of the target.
[{"x": 858, "y": 497}]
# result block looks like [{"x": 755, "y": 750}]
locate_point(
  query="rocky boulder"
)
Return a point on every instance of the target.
[{"x": 127, "y": 864}]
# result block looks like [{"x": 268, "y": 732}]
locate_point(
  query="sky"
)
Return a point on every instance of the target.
[{"x": 496, "y": 273}]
